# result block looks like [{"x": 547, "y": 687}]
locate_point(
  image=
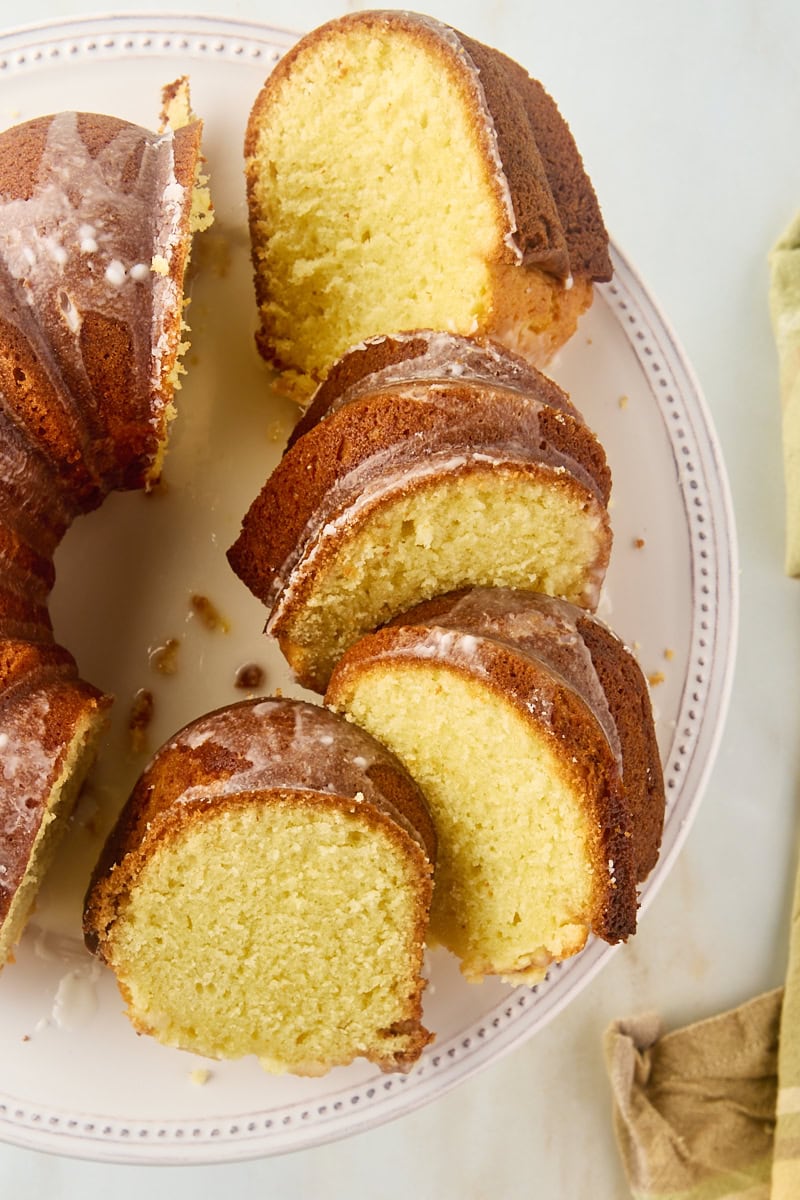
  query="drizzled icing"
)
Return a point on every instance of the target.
[
  {"x": 455, "y": 444},
  {"x": 445, "y": 357},
  {"x": 80, "y": 229},
  {"x": 24, "y": 763},
  {"x": 540, "y": 627},
  {"x": 33, "y": 505},
  {"x": 82, "y": 242},
  {"x": 283, "y": 744}
]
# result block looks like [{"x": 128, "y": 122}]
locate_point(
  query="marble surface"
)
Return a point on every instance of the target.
[{"x": 686, "y": 115}]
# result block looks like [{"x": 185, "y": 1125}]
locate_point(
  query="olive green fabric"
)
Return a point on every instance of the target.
[
  {"x": 694, "y": 1110},
  {"x": 786, "y": 1165},
  {"x": 712, "y": 1111}
]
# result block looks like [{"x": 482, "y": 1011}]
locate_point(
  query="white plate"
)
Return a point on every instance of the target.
[{"x": 74, "y": 1078}]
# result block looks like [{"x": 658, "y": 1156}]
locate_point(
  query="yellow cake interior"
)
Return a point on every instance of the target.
[
  {"x": 277, "y": 929},
  {"x": 375, "y": 210},
  {"x": 513, "y": 883},
  {"x": 176, "y": 114},
  {"x": 495, "y": 526}
]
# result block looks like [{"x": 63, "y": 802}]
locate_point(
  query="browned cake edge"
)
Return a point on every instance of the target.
[
  {"x": 351, "y": 436},
  {"x": 628, "y": 698}
]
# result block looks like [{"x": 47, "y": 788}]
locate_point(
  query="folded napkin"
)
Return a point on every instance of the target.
[
  {"x": 694, "y": 1110},
  {"x": 712, "y": 1111},
  {"x": 784, "y": 301}
]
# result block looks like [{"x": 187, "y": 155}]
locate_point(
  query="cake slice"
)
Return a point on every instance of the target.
[
  {"x": 266, "y": 891},
  {"x": 527, "y": 724},
  {"x": 402, "y": 176},
  {"x": 426, "y": 462}
]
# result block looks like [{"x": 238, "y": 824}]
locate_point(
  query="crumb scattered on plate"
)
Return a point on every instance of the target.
[
  {"x": 164, "y": 658},
  {"x": 209, "y": 614},
  {"x": 249, "y": 677},
  {"x": 141, "y": 715}
]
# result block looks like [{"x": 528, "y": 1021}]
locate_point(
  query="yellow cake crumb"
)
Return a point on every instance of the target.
[
  {"x": 164, "y": 657},
  {"x": 139, "y": 719},
  {"x": 209, "y": 614}
]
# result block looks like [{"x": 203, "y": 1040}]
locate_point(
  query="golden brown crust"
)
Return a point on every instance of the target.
[
  {"x": 539, "y": 230},
  {"x": 91, "y": 446},
  {"x": 629, "y": 700},
  {"x": 371, "y": 360},
  {"x": 574, "y": 196},
  {"x": 398, "y": 423}
]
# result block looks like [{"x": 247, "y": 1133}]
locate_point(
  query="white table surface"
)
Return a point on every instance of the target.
[{"x": 687, "y": 116}]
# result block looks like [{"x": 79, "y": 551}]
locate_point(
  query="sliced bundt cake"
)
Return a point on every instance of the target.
[
  {"x": 96, "y": 218},
  {"x": 266, "y": 891},
  {"x": 426, "y": 462},
  {"x": 401, "y": 175},
  {"x": 527, "y": 725}
]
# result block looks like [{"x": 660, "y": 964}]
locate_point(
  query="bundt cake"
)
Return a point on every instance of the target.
[
  {"x": 96, "y": 217},
  {"x": 426, "y": 462},
  {"x": 401, "y": 175},
  {"x": 266, "y": 891},
  {"x": 527, "y": 725}
]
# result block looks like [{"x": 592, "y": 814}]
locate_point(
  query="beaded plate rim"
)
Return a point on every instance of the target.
[{"x": 707, "y": 504}]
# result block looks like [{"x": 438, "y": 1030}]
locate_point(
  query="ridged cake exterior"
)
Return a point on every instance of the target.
[
  {"x": 528, "y": 726},
  {"x": 425, "y": 463},
  {"x": 402, "y": 175},
  {"x": 95, "y": 217},
  {"x": 266, "y": 891}
]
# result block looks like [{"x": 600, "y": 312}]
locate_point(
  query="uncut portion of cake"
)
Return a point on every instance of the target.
[
  {"x": 266, "y": 891},
  {"x": 527, "y": 724},
  {"x": 402, "y": 176},
  {"x": 425, "y": 463},
  {"x": 96, "y": 219}
]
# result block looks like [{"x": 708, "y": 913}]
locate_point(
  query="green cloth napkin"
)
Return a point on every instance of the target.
[
  {"x": 786, "y": 1154},
  {"x": 694, "y": 1110},
  {"x": 712, "y": 1111},
  {"x": 784, "y": 302}
]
